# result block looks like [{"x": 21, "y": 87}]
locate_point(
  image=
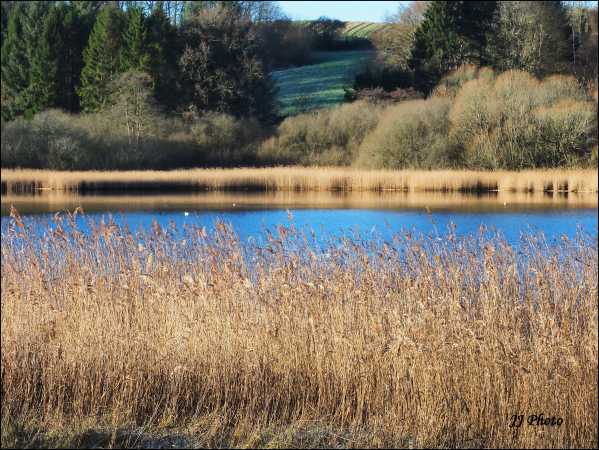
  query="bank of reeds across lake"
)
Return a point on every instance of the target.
[
  {"x": 115, "y": 338},
  {"x": 304, "y": 179}
]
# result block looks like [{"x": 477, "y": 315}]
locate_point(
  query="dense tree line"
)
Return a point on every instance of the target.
[
  {"x": 430, "y": 39},
  {"x": 216, "y": 55},
  {"x": 203, "y": 56},
  {"x": 137, "y": 84}
]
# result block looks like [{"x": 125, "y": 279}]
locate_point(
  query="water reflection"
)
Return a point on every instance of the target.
[
  {"x": 328, "y": 213},
  {"x": 50, "y": 201}
]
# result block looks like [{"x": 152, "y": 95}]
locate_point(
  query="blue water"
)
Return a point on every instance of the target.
[{"x": 253, "y": 224}]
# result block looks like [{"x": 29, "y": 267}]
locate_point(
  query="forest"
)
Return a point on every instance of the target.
[
  {"x": 175, "y": 84},
  {"x": 225, "y": 228}
]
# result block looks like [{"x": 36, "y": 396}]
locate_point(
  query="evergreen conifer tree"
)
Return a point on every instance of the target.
[
  {"x": 133, "y": 53},
  {"x": 101, "y": 59},
  {"x": 452, "y": 33},
  {"x": 19, "y": 51},
  {"x": 57, "y": 65},
  {"x": 15, "y": 77},
  {"x": 163, "y": 53},
  {"x": 46, "y": 73}
]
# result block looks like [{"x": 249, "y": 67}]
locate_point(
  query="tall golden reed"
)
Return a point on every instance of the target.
[
  {"x": 417, "y": 342},
  {"x": 319, "y": 179}
]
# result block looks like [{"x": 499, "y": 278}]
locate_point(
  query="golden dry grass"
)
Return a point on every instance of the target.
[
  {"x": 416, "y": 343},
  {"x": 321, "y": 179}
]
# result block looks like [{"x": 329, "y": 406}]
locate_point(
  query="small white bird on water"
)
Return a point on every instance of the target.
[{"x": 186, "y": 213}]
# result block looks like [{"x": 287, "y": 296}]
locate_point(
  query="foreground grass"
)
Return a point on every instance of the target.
[
  {"x": 207, "y": 432},
  {"x": 321, "y": 84},
  {"x": 194, "y": 339},
  {"x": 309, "y": 179}
]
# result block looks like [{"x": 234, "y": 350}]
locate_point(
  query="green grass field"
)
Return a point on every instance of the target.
[
  {"x": 319, "y": 85},
  {"x": 353, "y": 29},
  {"x": 361, "y": 29}
]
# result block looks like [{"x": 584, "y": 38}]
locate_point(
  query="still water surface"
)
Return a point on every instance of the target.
[{"x": 328, "y": 214}]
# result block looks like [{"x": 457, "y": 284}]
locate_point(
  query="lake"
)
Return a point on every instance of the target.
[{"x": 367, "y": 214}]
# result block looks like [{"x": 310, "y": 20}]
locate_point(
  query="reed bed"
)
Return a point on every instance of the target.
[
  {"x": 414, "y": 342},
  {"x": 308, "y": 179}
]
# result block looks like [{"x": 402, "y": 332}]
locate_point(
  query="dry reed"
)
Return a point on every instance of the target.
[
  {"x": 416, "y": 342},
  {"x": 317, "y": 179}
]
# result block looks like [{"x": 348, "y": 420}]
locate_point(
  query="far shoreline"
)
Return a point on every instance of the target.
[{"x": 301, "y": 179}]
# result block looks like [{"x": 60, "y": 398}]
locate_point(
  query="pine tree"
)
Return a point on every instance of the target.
[
  {"x": 5, "y": 8},
  {"x": 101, "y": 59},
  {"x": 435, "y": 42},
  {"x": 88, "y": 7},
  {"x": 36, "y": 12},
  {"x": 452, "y": 33},
  {"x": 58, "y": 63},
  {"x": 133, "y": 53},
  {"x": 477, "y": 27},
  {"x": 77, "y": 29},
  {"x": 19, "y": 51},
  {"x": 15, "y": 77},
  {"x": 163, "y": 54},
  {"x": 46, "y": 73}
]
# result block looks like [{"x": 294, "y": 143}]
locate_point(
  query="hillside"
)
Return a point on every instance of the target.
[
  {"x": 353, "y": 29},
  {"x": 361, "y": 29},
  {"x": 319, "y": 85}
]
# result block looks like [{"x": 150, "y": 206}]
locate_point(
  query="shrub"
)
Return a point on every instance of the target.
[
  {"x": 20, "y": 146},
  {"x": 515, "y": 121},
  {"x": 410, "y": 134},
  {"x": 558, "y": 87},
  {"x": 475, "y": 119},
  {"x": 60, "y": 141},
  {"x": 224, "y": 140},
  {"x": 51, "y": 140},
  {"x": 470, "y": 116},
  {"x": 563, "y": 131},
  {"x": 329, "y": 136},
  {"x": 378, "y": 95},
  {"x": 594, "y": 159},
  {"x": 387, "y": 78},
  {"x": 451, "y": 83}
]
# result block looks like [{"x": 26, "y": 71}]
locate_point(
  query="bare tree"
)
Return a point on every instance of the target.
[
  {"x": 532, "y": 36},
  {"x": 394, "y": 42},
  {"x": 133, "y": 105}
]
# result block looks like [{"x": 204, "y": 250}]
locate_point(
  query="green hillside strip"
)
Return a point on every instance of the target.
[
  {"x": 350, "y": 26},
  {"x": 361, "y": 29},
  {"x": 352, "y": 29},
  {"x": 358, "y": 30},
  {"x": 319, "y": 85}
]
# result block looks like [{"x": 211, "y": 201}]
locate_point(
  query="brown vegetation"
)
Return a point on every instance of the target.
[
  {"x": 417, "y": 343},
  {"x": 475, "y": 119},
  {"x": 309, "y": 179}
]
